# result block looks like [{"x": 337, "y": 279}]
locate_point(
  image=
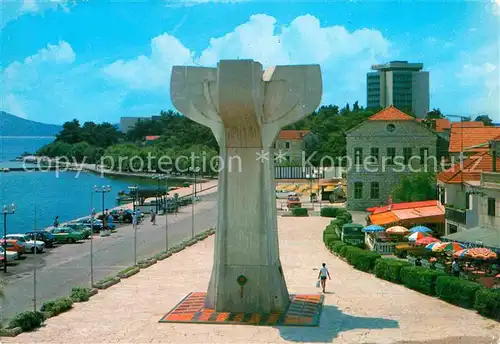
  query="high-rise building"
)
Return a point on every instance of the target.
[
  {"x": 127, "y": 123},
  {"x": 401, "y": 84}
]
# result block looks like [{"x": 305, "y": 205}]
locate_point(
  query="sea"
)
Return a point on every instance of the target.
[{"x": 68, "y": 195}]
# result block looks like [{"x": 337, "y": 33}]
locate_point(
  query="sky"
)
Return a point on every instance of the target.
[{"x": 99, "y": 60}]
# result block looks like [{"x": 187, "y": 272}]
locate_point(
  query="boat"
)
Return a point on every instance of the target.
[{"x": 5, "y": 169}]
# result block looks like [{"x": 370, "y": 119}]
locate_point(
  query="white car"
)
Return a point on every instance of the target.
[
  {"x": 29, "y": 244},
  {"x": 10, "y": 255}
]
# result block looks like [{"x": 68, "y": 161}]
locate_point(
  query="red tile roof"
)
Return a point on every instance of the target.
[
  {"x": 464, "y": 137},
  {"x": 442, "y": 124},
  {"x": 391, "y": 114},
  {"x": 152, "y": 137},
  {"x": 408, "y": 213},
  {"x": 401, "y": 206},
  {"x": 467, "y": 124},
  {"x": 293, "y": 134},
  {"x": 471, "y": 171}
]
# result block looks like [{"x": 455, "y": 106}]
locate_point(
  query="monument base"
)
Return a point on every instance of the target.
[{"x": 304, "y": 310}]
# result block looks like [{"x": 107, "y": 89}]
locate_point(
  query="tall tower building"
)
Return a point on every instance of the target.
[{"x": 401, "y": 84}]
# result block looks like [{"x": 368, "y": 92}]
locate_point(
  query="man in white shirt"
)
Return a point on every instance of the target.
[{"x": 323, "y": 274}]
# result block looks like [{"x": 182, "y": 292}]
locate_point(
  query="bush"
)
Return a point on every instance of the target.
[
  {"x": 420, "y": 279},
  {"x": 389, "y": 269},
  {"x": 299, "y": 212},
  {"x": 345, "y": 214},
  {"x": 125, "y": 271},
  {"x": 186, "y": 185},
  {"x": 28, "y": 321},
  {"x": 329, "y": 212},
  {"x": 57, "y": 306},
  {"x": 343, "y": 250},
  {"x": 80, "y": 294},
  {"x": 337, "y": 246},
  {"x": 338, "y": 223},
  {"x": 329, "y": 238},
  {"x": 487, "y": 303},
  {"x": 457, "y": 291},
  {"x": 361, "y": 259}
]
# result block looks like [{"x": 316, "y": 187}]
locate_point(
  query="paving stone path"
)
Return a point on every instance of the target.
[{"x": 359, "y": 308}]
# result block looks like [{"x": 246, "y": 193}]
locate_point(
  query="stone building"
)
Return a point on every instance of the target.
[
  {"x": 383, "y": 149},
  {"x": 291, "y": 143}
]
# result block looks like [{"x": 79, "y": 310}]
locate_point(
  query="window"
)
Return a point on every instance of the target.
[
  {"x": 391, "y": 128},
  {"x": 358, "y": 156},
  {"x": 407, "y": 155},
  {"x": 287, "y": 144},
  {"x": 358, "y": 190},
  {"x": 452, "y": 229},
  {"x": 468, "y": 201},
  {"x": 374, "y": 190},
  {"x": 374, "y": 155},
  {"x": 424, "y": 154},
  {"x": 491, "y": 206},
  {"x": 391, "y": 153}
]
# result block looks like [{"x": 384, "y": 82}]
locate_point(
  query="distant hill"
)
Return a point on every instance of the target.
[{"x": 11, "y": 125}]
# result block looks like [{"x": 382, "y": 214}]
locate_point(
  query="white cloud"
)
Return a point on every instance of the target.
[
  {"x": 187, "y": 3},
  {"x": 13, "y": 9},
  {"x": 344, "y": 56}
]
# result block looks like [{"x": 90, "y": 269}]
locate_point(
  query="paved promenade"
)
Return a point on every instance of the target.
[{"x": 359, "y": 308}]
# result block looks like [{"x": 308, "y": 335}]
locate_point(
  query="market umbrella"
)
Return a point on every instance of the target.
[
  {"x": 431, "y": 246},
  {"x": 460, "y": 254},
  {"x": 448, "y": 247},
  {"x": 480, "y": 253},
  {"x": 426, "y": 241},
  {"x": 420, "y": 229},
  {"x": 396, "y": 230},
  {"x": 373, "y": 228},
  {"x": 417, "y": 236}
]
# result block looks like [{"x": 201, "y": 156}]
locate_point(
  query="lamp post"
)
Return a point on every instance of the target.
[
  {"x": 158, "y": 177},
  {"x": 320, "y": 173},
  {"x": 166, "y": 213},
  {"x": 134, "y": 189},
  {"x": 311, "y": 177},
  {"x": 194, "y": 170},
  {"x": 6, "y": 210},
  {"x": 92, "y": 216},
  {"x": 102, "y": 190}
]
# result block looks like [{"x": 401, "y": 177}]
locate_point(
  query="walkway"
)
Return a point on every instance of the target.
[{"x": 359, "y": 308}]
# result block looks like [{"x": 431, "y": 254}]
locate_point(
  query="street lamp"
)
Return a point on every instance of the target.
[
  {"x": 103, "y": 190},
  {"x": 166, "y": 212},
  {"x": 194, "y": 170},
  {"x": 134, "y": 189},
  {"x": 158, "y": 177},
  {"x": 6, "y": 210},
  {"x": 311, "y": 177}
]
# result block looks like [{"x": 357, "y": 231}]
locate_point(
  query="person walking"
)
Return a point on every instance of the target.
[
  {"x": 323, "y": 274},
  {"x": 56, "y": 221},
  {"x": 455, "y": 268},
  {"x": 153, "y": 217}
]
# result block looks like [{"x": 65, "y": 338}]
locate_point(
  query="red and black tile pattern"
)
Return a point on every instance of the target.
[{"x": 304, "y": 310}]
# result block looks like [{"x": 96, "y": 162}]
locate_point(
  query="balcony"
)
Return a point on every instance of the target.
[
  {"x": 490, "y": 180},
  {"x": 456, "y": 215}
]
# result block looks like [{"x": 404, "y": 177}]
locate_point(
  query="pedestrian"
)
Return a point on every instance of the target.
[
  {"x": 455, "y": 268},
  {"x": 323, "y": 274},
  {"x": 56, "y": 221},
  {"x": 134, "y": 219},
  {"x": 110, "y": 220},
  {"x": 153, "y": 217}
]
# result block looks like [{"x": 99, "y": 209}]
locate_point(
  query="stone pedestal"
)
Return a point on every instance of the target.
[{"x": 246, "y": 108}]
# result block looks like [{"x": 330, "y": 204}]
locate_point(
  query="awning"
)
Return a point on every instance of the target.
[
  {"x": 478, "y": 236},
  {"x": 383, "y": 219}
]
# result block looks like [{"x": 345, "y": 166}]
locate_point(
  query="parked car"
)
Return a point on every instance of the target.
[
  {"x": 95, "y": 224},
  {"x": 65, "y": 235},
  {"x": 293, "y": 202},
  {"x": 44, "y": 236},
  {"x": 127, "y": 216},
  {"x": 79, "y": 227},
  {"x": 13, "y": 245},
  {"x": 29, "y": 244},
  {"x": 11, "y": 255}
]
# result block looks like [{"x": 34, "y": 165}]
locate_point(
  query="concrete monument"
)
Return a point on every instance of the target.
[{"x": 246, "y": 107}]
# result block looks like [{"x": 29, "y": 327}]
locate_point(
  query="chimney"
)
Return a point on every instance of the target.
[{"x": 493, "y": 150}]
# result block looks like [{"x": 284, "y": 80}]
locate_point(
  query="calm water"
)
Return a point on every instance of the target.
[
  {"x": 66, "y": 194},
  {"x": 11, "y": 148}
]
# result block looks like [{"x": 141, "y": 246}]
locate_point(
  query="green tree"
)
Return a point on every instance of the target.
[
  {"x": 434, "y": 114},
  {"x": 420, "y": 186},
  {"x": 70, "y": 133},
  {"x": 485, "y": 119}
]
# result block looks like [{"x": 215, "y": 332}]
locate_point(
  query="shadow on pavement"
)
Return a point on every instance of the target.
[{"x": 332, "y": 322}]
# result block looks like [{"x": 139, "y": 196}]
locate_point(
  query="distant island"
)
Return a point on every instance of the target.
[{"x": 11, "y": 125}]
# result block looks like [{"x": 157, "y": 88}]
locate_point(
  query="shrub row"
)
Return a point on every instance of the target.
[
  {"x": 299, "y": 212},
  {"x": 57, "y": 306},
  {"x": 451, "y": 289}
]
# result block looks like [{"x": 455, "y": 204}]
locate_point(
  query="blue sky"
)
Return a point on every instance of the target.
[{"x": 100, "y": 60}]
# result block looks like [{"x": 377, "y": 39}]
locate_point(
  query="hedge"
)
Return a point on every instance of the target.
[
  {"x": 57, "y": 306},
  {"x": 28, "y": 321},
  {"x": 80, "y": 294},
  {"x": 361, "y": 259},
  {"x": 299, "y": 212},
  {"x": 337, "y": 246},
  {"x": 420, "y": 279},
  {"x": 457, "y": 291},
  {"x": 329, "y": 238},
  {"x": 329, "y": 211},
  {"x": 487, "y": 302},
  {"x": 390, "y": 269}
]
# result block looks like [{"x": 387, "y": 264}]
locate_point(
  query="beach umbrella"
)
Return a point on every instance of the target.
[
  {"x": 448, "y": 247},
  {"x": 460, "y": 254},
  {"x": 426, "y": 241},
  {"x": 396, "y": 230},
  {"x": 373, "y": 228},
  {"x": 417, "y": 236},
  {"x": 480, "y": 253},
  {"x": 431, "y": 246},
  {"x": 420, "y": 229}
]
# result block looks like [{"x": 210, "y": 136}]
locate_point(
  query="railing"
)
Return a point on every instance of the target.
[
  {"x": 296, "y": 172},
  {"x": 491, "y": 179},
  {"x": 456, "y": 215},
  {"x": 379, "y": 247}
]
